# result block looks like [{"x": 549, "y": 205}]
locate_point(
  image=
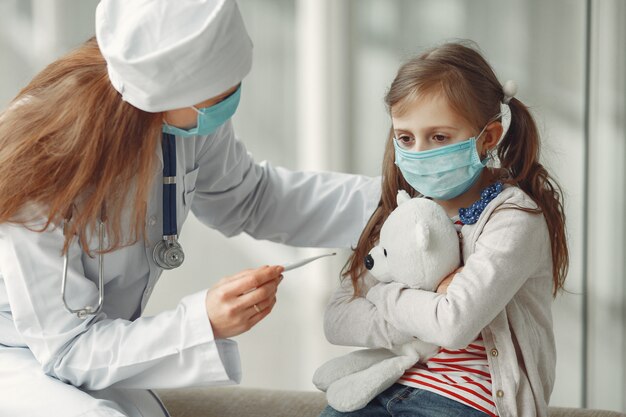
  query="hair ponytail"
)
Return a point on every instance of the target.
[{"x": 519, "y": 155}]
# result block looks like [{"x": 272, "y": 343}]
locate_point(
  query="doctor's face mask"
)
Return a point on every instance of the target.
[{"x": 209, "y": 118}]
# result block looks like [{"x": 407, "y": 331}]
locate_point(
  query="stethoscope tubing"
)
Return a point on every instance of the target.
[
  {"x": 168, "y": 253},
  {"x": 168, "y": 146},
  {"x": 82, "y": 313}
]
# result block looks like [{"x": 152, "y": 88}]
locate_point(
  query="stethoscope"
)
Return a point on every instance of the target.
[{"x": 167, "y": 253}]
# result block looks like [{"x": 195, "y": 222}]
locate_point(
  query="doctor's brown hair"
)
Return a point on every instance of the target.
[
  {"x": 467, "y": 81},
  {"x": 70, "y": 144}
]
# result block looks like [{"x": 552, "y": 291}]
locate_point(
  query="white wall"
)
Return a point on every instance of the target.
[
  {"x": 606, "y": 268},
  {"x": 321, "y": 69}
]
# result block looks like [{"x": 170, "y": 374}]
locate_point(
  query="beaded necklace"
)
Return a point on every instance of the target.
[{"x": 471, "y": 214}]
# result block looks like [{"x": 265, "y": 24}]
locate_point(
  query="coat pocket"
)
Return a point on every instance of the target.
[{"x": 189, "y": 187}]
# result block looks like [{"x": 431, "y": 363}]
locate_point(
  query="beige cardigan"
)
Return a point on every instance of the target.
[{"x": 503, "y": 292}]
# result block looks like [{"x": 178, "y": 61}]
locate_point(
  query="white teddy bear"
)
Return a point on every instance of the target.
[{"x": 419, "y": 247}]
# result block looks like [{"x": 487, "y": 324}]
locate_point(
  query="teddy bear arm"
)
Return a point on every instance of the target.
[
  {"x": 354, "y": 391},
  {"x": 348, "y": 364}
]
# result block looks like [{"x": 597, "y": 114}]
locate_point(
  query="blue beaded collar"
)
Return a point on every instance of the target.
[{"x": 471, "y": 214}]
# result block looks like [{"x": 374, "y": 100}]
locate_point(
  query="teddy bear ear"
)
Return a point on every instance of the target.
[
  {"x": 423, "y": 235},
  {"x": 402, "y": 197}
]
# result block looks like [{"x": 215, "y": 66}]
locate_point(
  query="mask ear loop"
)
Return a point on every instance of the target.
[
  {"x": 505, "y": 114},
  {"x": 489, "y": 155},
  {"x": 193, "y": 107},
  {"x": 509, "y": 90},
  {"x": 198, "y": 114}
]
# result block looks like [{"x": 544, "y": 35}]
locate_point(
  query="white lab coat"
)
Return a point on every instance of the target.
[{"x": 46, "y": 351}]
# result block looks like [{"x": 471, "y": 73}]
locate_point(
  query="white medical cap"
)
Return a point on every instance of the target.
[{"x": 168, "y": 54}]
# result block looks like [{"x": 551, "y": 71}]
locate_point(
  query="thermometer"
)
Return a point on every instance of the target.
[{"x": 298, "y": 264}]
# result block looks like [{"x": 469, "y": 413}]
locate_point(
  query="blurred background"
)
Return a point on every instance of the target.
[{"x": 314, "y": 100}]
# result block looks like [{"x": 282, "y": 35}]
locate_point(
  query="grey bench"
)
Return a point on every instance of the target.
[{"x": 248, "y": 402}]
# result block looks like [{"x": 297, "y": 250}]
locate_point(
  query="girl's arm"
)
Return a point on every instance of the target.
[
  {"x": 357, "y": 322},
  {"x": 513, "y": 247}
]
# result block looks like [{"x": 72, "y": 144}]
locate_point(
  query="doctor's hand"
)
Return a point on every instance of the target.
[{"x": 236, "y": 303}]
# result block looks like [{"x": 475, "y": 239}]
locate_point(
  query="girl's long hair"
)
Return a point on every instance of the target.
[
  {"x": 70, "y": 146},
  {"x": 472, "y": 89}
]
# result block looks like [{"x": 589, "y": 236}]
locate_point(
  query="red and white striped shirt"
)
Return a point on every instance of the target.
[{"x": 461, "y": 375}]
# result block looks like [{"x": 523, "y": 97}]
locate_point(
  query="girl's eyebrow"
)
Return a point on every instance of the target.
[{"x": 429, "y": 129}]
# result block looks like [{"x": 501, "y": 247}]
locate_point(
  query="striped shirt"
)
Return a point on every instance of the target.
[{"x": 461, "y": 375}]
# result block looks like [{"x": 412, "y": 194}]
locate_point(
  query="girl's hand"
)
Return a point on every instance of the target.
[
  {"x": 443, "y": 285},
  {"x": 238, "y": 302}
]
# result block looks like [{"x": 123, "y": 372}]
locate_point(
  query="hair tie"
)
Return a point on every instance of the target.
[{"x": 509, "y": 89}]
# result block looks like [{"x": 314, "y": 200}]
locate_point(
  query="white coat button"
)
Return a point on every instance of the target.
[
  {"x": 494, "y": 352},
  {"x": 499, "y": 393},
  {"x": 152, "y": 221}
]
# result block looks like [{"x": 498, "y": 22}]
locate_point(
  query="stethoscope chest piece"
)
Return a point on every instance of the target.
[{"x": 168, "y": 254}]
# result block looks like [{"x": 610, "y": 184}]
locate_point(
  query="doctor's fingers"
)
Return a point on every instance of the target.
[
  {"x": 259, "y": 295},
  {"x": 262, "y": 311},
  {"x": 251, "y": 280},
  {"x": 235, "y": 277},
  {"x": 228, "y": 320}
]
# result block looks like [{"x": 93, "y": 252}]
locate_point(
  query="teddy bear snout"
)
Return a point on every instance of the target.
[{"x": 369, "y": 262}]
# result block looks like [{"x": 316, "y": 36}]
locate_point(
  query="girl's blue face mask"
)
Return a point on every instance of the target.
[
  {"x": 209, "y": 118},
  {"x": 443, "y": 173}
]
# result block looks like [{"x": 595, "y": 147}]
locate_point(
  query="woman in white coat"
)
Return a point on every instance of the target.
[{"x": 105, "y": 152}]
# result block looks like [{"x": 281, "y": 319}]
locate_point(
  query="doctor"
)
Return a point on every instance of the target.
[{"x": 102, "y": 156}]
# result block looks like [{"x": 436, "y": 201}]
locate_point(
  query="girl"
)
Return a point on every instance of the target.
[
  {"x": 492, "y": 319},
  {"x": 89, "y": 213}
]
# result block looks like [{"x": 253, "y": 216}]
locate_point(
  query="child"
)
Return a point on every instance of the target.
[{"x": 492, "y": 318}]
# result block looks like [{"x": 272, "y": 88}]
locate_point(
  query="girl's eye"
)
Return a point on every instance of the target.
[
  {"x": 439, "y": 138},
  {"x": 405, "y": 142}
]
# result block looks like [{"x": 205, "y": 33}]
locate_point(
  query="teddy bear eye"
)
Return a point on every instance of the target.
[{"x": 385, "y": 252}]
